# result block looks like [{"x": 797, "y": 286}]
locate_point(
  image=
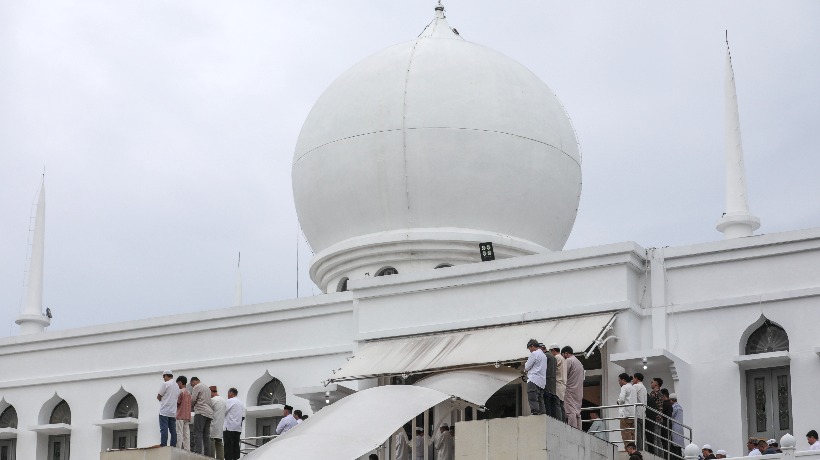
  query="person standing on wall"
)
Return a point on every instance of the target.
[
  {"x": 218, "y": 405},
  {"x": 536, "y": 377},
  {"x": 183, "y": 415},
  {"x": 203, "y": 414},
  {"x": 550, "y": 399},
  {"x": 560, "y": 380},
  {"x": 232, "y": 428},
  {"x": 575, "y": 387},
  {"x": 167, "y": 397}
]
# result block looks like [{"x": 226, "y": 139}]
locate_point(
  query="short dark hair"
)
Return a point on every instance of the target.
[
  {"x": 195, "y": 378},
  {"x": 664, "y": 391},
  {"x": 625, "y": 376},
  {"x": 532, "y": 343},
  {"x": 373, "y": 457},
  {"x": 305, "y": 417},
  {"x": 182, "y": 379},
  {"x": 234, "y": 391},
  {"x": 639, "y": 376},
  {"x": 812, "y": 434},
  {"x": 297, "y": 413},
  {"x": 659, "y": 380},
  {"x": 567, "y": 349},
  {"x": 632, "y": 445}
]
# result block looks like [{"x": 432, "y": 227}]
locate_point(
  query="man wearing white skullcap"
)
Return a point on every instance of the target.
[{"x": 444, "y": 443}]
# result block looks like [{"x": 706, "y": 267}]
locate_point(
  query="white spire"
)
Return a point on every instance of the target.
[
  {"x": 737, "y": 221},
  {"x": 237, "y": 295},
  {"x": 31, "y": 319}
]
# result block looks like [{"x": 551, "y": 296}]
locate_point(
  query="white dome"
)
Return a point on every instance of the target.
[{"x": 436, "y": 134}]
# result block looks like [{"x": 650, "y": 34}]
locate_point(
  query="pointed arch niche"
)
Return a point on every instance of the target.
[
  {"x": 764, "y": 343},
  {"x": 8, "y": 420},
  {"x": 54, "y": 418},
  {"x": 269, "y": 395},
  {"x": 120, "y": 421}
]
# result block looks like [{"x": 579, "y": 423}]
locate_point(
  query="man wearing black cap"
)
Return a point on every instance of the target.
[
  {"x": 811, "y": 437},
  {"x": 287, "y": 422},
  {"x": 536, "y": 377}
]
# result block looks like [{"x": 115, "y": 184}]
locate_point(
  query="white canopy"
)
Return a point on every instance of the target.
[
  {"x": 362, "y": 421},
  {"x": 472, "y": 385},
  {"x": 469, "y": 348}
]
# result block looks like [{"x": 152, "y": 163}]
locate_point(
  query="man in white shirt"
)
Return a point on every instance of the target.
[
  {"x": 640, "y": 395},
  {"x": 287, "y": 422},
  {"x": 167, "y": 397},
  {"x": 443, "y": 443},
  {"x": 234, "y": 416},
  {"x": 402, "y": 445},
  {"x": 626, "y": 398},
  {"x": 536, "y": 378},
  {"x": 218, "y": 422},
  {"x": 419, "y": 443},
  {"x": 811, "y": 437}
]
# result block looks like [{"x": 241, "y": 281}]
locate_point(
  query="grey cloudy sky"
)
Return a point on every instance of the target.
[{"x": 167, "y": 130}]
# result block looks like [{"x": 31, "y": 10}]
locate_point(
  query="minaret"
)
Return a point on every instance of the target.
[
  {"x": 237, "y": 295},
  {"x": 737, "y": 221},
  {"x": 32, "y": 319}
]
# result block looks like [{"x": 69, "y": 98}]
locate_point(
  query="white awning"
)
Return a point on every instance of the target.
[
  {"x": 472, "y": 385},
  {"x": 352, "y": 426},
  {"x": 469, "y": 348},
  {"x": 362, "y": 421}
]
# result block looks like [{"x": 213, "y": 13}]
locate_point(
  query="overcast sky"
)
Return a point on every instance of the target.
[{"x": 167, "y": 130}]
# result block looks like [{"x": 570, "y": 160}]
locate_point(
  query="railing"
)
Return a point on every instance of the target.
[
  {"x": 252, "y": 443},
  {"x": 659, "y": 442}
]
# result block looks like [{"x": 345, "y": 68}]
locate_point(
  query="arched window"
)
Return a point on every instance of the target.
[
  {"x": 769, "y": 337},
  {"x": 342, "y": 285},
  {"x": 61, "y": 414},
  {"x": 387, "y": 271},
  {"x": 444, "y": 265},
  {"x": 8, "y": 419},
  {"x": 272, "y": 393},
  {"x": 127, "y": 408}
]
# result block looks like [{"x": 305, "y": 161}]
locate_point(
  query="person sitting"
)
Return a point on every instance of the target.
[{"x": 720, "y": 454}]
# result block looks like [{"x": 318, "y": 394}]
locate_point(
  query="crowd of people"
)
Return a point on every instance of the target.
[
  {"x": 662, "y": 421},
  {"x": 555, "y": 382},
  {"x": 217, "y": 423},
  {"x": 442, "y": 443}
]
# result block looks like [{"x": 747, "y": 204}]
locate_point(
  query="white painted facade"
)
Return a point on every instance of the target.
[{"x": 688, "y": 311}]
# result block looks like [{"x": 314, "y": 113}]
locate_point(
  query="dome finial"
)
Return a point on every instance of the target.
[{"x": 439, "y": 10}]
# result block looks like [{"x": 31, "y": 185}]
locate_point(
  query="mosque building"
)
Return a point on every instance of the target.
[{"x": 437, "y": 182}]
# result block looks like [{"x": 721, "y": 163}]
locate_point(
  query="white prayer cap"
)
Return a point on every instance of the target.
[
  {"x": 770, "y": 442},
  {"x": 419, "y": 429},
  {"x": 706, "y": 446},
  {"x": 445, "y": 425},
  {"x": 721, "y": 452},
  {"x": 673, "y": 396},
  {"x": 167, "y": 372},
  {"x": 554, "y": 345}
]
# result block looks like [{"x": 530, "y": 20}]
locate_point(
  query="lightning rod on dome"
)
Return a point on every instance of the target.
[
  {"x": 736, "y": 221},
  {"x": 237, "y": 295}
]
